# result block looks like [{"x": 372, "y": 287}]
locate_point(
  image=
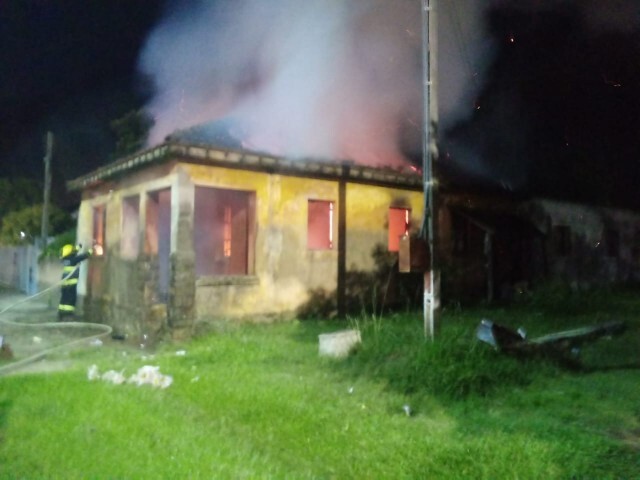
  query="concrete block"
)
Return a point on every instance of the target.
[{"x": 338, "y": 344}]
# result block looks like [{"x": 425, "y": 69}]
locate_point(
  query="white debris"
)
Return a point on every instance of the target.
[
  {"x": 195, "y": 379},
  {"x": 117, "y": 378},
  {"x": 96, "y": 342},
  {"x": 350, "y": 390},
  {"x": 93, "y": 373},
  {"x": 151, "y": 375},
  {"x": 36, "y": 340},
  {"x": 407, "y": 410},
  {"x": 181, "y": 353},
  {"x": 147, "y": 375}
]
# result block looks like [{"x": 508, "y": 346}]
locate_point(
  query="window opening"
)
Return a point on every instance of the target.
[
  {"x": 227, "y": 231},
  {"x": 99, "y": 222},
  {"x": 130, "y": 238},
  {"x": 320, "y": 225},
  {"x": 398, "y": 226},
  {"x": 157, "y": 238},
  {"x": 223, "y": 231}
]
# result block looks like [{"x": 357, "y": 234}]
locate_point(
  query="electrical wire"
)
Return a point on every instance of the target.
[{"x": 105, "y": 329}]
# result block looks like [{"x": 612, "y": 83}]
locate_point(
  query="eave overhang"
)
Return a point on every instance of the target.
[{"x": 252, "y": 161}]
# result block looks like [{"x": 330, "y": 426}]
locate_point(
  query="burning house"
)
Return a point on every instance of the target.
[{"x": 192, "y": 233}]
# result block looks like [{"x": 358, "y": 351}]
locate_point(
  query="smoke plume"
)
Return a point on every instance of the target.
[{"x": 319, "y": 78}]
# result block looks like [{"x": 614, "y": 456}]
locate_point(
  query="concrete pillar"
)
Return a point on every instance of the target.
[{"x": 181, "y": 307}]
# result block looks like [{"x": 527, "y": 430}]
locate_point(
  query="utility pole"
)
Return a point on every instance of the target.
[
  {"x": 431, "y": 299},
  {"x": 47, "y": 190}
]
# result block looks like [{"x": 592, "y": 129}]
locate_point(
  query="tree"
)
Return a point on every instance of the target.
[
  {"x": 132, "y": 131},
  {"x": 53, "y": 248},
  {"x": 18, "y": 193},
  {"x": 22, "y": 226}
]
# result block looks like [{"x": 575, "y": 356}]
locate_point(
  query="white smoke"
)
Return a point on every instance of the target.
[{"x": 313, "y": 78}]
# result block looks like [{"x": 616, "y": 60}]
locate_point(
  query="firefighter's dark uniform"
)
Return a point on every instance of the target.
[{"x": 71, "y": 259}]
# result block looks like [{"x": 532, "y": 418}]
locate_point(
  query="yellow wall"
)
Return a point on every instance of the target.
[
  {"x": 285, "y": 270},
  {"x": 367, "y": 219}
]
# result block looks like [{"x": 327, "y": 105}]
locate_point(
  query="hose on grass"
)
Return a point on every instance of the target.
[{"x": 104, "y": 330}]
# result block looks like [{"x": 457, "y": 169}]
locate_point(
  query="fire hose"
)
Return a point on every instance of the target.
[{"x": 104, "y": 329}]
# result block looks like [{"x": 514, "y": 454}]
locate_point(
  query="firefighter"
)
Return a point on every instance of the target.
[{"x": 71, "y": 258}]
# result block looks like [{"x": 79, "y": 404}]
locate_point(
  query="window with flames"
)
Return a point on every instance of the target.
[
  {"x": 223, "y": 231},
  {"x": 399, "y": 223}
]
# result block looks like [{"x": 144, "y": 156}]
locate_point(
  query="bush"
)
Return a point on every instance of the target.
[{"x": 454, "y": 366}]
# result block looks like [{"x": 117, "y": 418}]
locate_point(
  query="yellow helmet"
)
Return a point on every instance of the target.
[{"x": 66, "y": 251}]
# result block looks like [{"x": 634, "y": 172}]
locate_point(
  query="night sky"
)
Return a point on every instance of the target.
[
  {"x": 557, "y": 111},
  {"x": 559, "y": 114},
  {"x": 68, "y": 66}
]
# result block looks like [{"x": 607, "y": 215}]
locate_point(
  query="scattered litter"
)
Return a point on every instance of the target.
[
  {"x": 93, "y": 373},
  {"x": 117, "y": 378},
  {"x": 151, "y": 375},
  {"x": 146, "y": 375},
  {"x": 181, "y": 353},
  {"x": 350, "y": 390},
  {"x": 96, "y": 342},
  {"x": 407, "y": 410},
  {"x": 36, "y": 340}
]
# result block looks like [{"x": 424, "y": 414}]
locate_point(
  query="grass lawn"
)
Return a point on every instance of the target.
[{"x": 256, "y": 401}]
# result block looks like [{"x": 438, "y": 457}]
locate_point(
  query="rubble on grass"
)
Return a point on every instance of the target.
[{"x": 146, "y": 375}]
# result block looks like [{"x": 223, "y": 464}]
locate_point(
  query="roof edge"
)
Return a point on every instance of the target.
[{"x": 247, "y": 160}]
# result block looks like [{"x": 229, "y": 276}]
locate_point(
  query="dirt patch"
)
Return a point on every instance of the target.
[{"x": 631, "y": 438}]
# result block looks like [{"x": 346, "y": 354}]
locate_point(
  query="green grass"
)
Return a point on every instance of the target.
[{"x": 257, "y": 402}]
